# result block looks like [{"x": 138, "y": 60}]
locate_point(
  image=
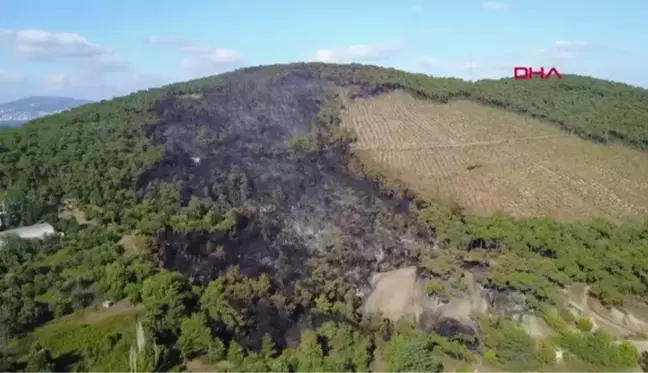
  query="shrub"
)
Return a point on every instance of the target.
[
  {"x": 584, "y": 325},
  {"x": 566, "y": 315},
  {"x": 435, "y": 287},
  {"x": 412, "y": 355},
  {"x": 599, "y": 350}
]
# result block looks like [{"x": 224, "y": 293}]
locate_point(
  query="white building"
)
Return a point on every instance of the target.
[{"x": 37, "y": 231}]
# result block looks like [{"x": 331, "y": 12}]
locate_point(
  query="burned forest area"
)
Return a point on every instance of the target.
[
  {"x": 301, "y": 215},
  {"x": 237, "y": 147},
  {"x": 231, "y": 223}
]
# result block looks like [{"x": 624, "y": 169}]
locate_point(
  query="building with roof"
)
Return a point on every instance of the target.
[{"x": 37, "y": 231}]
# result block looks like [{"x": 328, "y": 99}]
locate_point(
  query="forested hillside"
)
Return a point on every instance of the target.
[
  {"x": 592, "y": 108},
  {"x": 230, "y": 216}
]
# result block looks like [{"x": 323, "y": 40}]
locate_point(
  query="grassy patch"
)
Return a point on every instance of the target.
[{"x": 86, "y": 341}]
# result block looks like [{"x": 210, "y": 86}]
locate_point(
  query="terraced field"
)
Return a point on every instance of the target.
[{"x": 492, "y": 160}]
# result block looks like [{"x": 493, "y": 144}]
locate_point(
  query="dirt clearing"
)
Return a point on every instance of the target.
[
  {"x": 395, "y": 294},
  {"x": 492, "y": 160},
  {"x": 69, "y": 210}
]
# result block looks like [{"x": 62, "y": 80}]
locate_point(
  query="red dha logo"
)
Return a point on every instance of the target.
[{"x": 523, "y": 73}]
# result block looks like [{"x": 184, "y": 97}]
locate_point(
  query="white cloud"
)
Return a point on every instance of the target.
[
  {"x": 570, "y": 46},
  {"x": 10, "y": 77},
  {"x": 494, "y": 5},
  {"x": 34, "y": 44},
  {"x": 562, "y": 50},
  {"x": 325, "y": 55},
  {"x": 39, "y": 44},
  {"x": 93, "y": 86},
  {"x": 55, "y": 80},
  {"x": 360, "y": 53},
  {"x": 83, "y": 69},
  {"x": 199, "y": 58},
  {"x": 215, "y": 60}
]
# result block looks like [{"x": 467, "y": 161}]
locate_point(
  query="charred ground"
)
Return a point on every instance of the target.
[
  {"x": 270, "y": 153},
  {"x": 237, "y": 146}
]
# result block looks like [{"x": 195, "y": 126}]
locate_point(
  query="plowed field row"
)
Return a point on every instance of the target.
[
  {"x": 492, "y": 160},
  {"x": 415, "y": 146}
]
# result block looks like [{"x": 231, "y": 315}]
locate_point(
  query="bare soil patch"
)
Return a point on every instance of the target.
[
  {"x": 396, "y": 294},
  {"x": 491, "y": 160},
  {"x": 69, "y": 210}
]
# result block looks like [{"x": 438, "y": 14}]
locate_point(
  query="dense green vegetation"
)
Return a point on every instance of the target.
[
  {"x": 47, "y": 279},
  {"x": 96, "y": 157},
  {"x": 508, "y": 346},
  {"x": 538, "y": 255},
  {"x": 596, "y": 109},
  {"x": 99, "y": 345}
]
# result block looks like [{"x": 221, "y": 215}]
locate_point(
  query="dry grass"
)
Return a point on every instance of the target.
[
  {"x": 69, "y": 210},
  {"x": 196, "y": 365},
  {"x": 200, "y": 365},
  {"x": 492, "y": 160},
  {"x": 129, "y": 241}
]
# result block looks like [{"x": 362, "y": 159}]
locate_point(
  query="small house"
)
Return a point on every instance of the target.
[{"x": 32, "y": 232}]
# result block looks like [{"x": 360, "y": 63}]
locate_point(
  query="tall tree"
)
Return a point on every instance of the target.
[{"x": 166, "y": 296}]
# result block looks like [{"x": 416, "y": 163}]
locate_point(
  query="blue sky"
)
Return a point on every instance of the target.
[{"x": 100, "y": 48}]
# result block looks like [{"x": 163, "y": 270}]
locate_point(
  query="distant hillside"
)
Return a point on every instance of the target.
[
  {"x": 237, "y": 213},
  {"x": 16, "y": 112},
  {"x": 11, "y": 123}
]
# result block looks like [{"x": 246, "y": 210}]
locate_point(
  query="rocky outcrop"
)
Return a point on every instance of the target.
[
  {"x": 400, "y": 294},
  {"x": 396, "y": 294}
]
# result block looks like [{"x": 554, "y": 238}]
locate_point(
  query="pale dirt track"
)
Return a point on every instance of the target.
[
  {"x": 579, "y": 298},
  {"x": 492, "y": 160}
]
